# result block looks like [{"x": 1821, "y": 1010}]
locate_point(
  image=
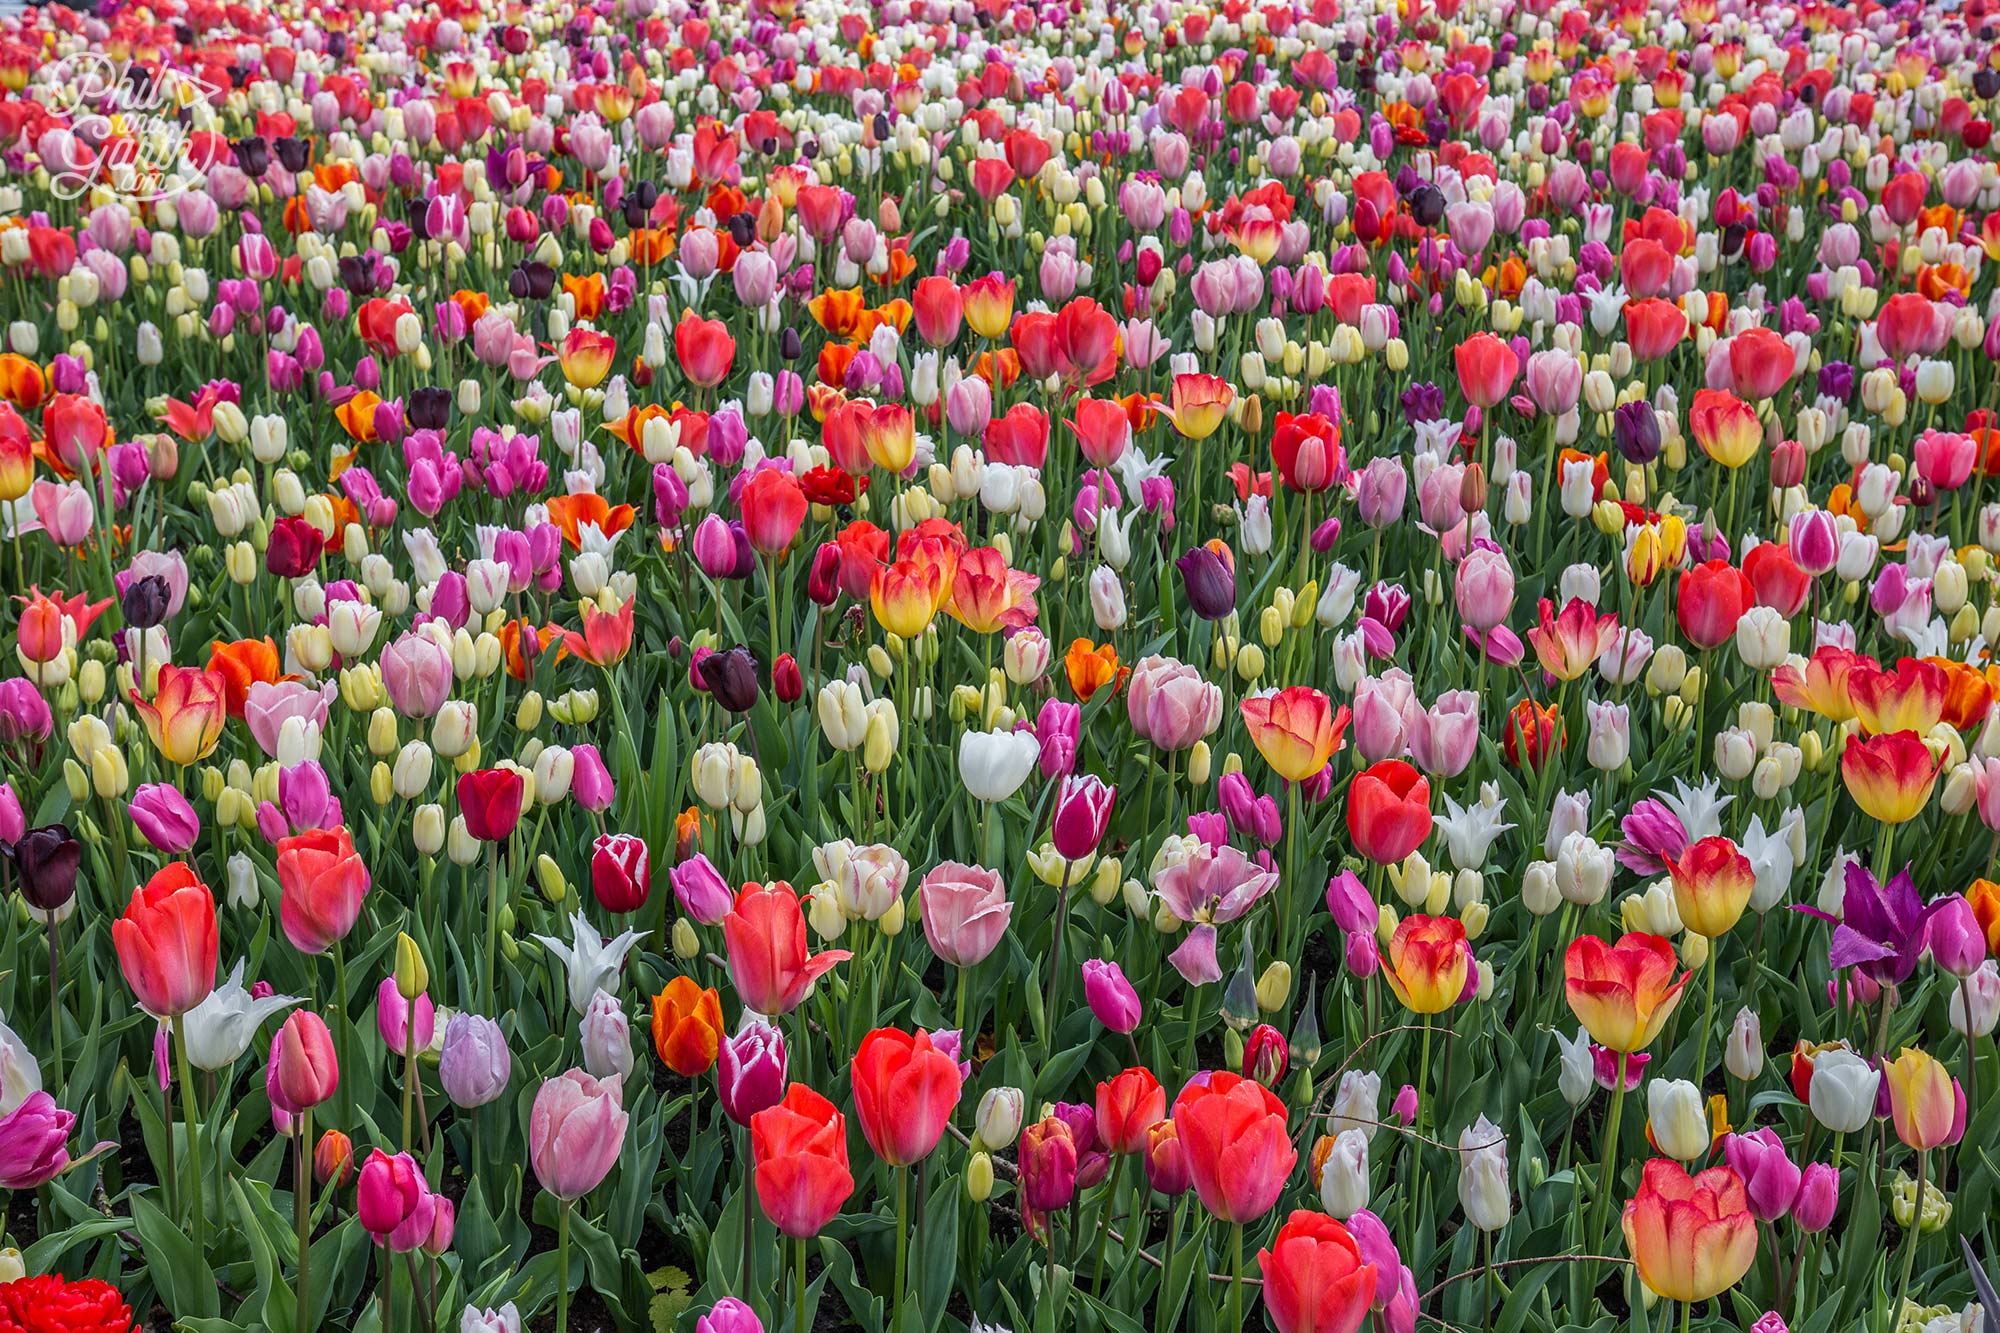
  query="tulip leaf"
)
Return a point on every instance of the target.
[
  {"x": 276, "y": 1305},
  {"x": 181, "y": 1275},
  {"x": 936, "y": 1241}
]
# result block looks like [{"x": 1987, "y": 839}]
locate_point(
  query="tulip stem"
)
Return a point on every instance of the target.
[
  {"x": 1104, "y": 1224},
  {"x": 193, "y": 1129},
  {"x": 1910, "y": 1239},
  {"x": 55, "y": 1005},
  {"x": 302, "y": 1214},
  {"x": 799, "y": 1268},
  {"x": 492, "y": 929},
  {"x": 562, "y": 1268},
  {"x": 1236, "y": 1277},
  {"x": 1708, "y": 1012},
  {"x": 1607, "y": 1176},
  {"x": 902, "y": 1242}
]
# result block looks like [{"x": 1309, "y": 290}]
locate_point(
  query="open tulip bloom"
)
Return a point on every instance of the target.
[{"x": 1319, "y": 665}]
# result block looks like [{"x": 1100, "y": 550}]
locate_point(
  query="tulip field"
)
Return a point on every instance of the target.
[{"x": 1002, "y": 666}]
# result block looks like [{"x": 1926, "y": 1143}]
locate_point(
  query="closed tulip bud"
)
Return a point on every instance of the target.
[
  {"x": 427, "y": 829},
  {"x": 979, "y": 1177},
  {"x": 381, "y": 784},
  {"x": 1678, "y": 1118},
  {"x": 998, "y": 1118},
  {"x": 687, "y": 944},
  {"x": 1743, "y": 1056},
  {"x": 1483, "y": 1189},
  {"x": 1274, "y": 987},
  {"x": 1343, "y": 1182}
]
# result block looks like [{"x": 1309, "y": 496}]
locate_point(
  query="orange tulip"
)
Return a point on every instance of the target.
[
  {"x": 572, "y": 512},
  {"x": 1427, "y": 962},
  {"x": 1984, "y": 896},
  {"x": 22, "y": 382},
  {"x": 1091, "y": 667},
  {"x": 986, "y": 596},
  {"x": 1712, "y": 883},
  {"x": 1693, "y": 1237},
  {"x": 888, "y": 433},
  {"x": 687, "y": 1026},
  {"x": 357, "y": 416},
  {"x": 1967, "y": 693},
  {"x": 1296, "y": 729},
  {"x": 1622, "y": 993},
  {"x": 185, "y": 715},
  {"x": 837, "y": 311},
  {"x": 241, "y": 664},
  {"x": 606, "y": 637},
  {"x": 1890, "y": 777}
]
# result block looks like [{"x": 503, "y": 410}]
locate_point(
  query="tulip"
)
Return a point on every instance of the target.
[
  {"x": 1622, "y": 993},
  {"x": 1712, "y": 884},
  {"x": 1128, "y": 1107},
  {"x": 620, "y": 872},
  {"x": 1344, "y": 1187},
  {"x": 1482, "y": 1179},
  {"x": 220, "y": 1028},
  {"x": 164, "y": 818},
  {"x": 1315, "y": 1279},
  {"x": 185, "y": 715},
  {"x": 750, "y": 1071},
  {"x": 1486, "y": 369},
  {"x": 965, "y": 912},
  {"x": 490, "y": 801},
  {"x": 1047, "y": 1158},
  {"x": 1297, "y": 730},
  {"x": 1693, "y": 1237},
  {"x": 799, "y": 1154},
  {"x": 1770, "y": 1179},
  {"x": 1082, "y": 813},
  {"x": 1924, "y": 1099},
  {"x": 575, "y": 1131},
  {"x": 905, "y": 1089},
  {"x": 1388, "y": 811},
  {"x": 1842, "y": 1092},
  {"x": 1427, "y": 963},
  {"x": 687, "y": 1026},
  {"x": 1677, "y": 1118},
  {"x": 1711, "y": 598},
  {"x": 590, "y": 961},
  {"x": 1818, "y": 1198},
  {"x": 474, "y": 1065},
  {"x": 1110, "y": 996},
  {"x": 1232, "y": 1131},
  {"x": 765, "y": 935},
  {"x": 47, "y": 859},
  {"x": 34, "y": 1142},
  {"x": 303, "y": 1070},
  {"x": 606, "y": 1037},
  {"x": 394, "y": 1203},
  {"x": 1170, "y": 704},
  {"x": 322, "y": 881},
  {"x": 167, "y": 942},
  {"x": 994, "y": 764}
]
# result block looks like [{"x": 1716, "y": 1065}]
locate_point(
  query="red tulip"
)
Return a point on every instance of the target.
[
  {"x": 1232, "y": 1132},
  {"x": 304, "y": 1071},
  {"x": 167, "y": 942},
  {"x": 1486, "y": 369},
  {"x": 1103, "y": 430},
  {"x": 620, "y": 872},
  {"x": 1654, "y": 327},
  {"x": 1389, "y": 811},
  {"x": 1760, "y": 361},
  {"x": 1128, "y": 1106},
  {"x": 1314, "y": 1277},
  {"x": 799, "y": 1151},
  {"x": 1713, "y": 596},
  {"x": 490, "y": 800},
  {"x": 1776, "y": 581},
  {"x": 1305, "y": 450},
  {"x": 294, "y": 548},
  {"x": 938, "y": 310},
  {"x": 322, "y": 881},
  {"x": 765, "y": 935},
  {"x": 774, "y": 505},
  {"x": 705, "y": 349},
  {"x": 905, "y": 1089}
]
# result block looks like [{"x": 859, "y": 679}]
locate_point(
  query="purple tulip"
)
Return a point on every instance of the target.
[
  {"x": 1957, "y": 943},
  {"x": 33, "y": 1139},
  {"x": 1111, "y": 996},
  {"x": 164, "y": 817},
  {"x": 1818, "y": 1197},
  {"x": 701, "y": 890},
  {"x": 1768, "y": 1173}
]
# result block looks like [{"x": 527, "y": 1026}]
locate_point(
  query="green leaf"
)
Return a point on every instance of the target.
[{"x": 182, "y": 1276}]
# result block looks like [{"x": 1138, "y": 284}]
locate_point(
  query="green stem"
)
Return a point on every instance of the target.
[
  {"x": 799, "y": 1268},
  {"x": 1104, "y": 1223},
  {"x": 1607, "y": 1177},
  {"x": 562, "y": 1267},
  {"x": 492, "y": 930},
  {"x": 302, "y": 1214},
  {"x": 1708, "y": 1012},
  {"x": 902, "y": 1241},
  {"x": 1236, "y": 1277},
  {"x": 1910, "y": 1240},
  {"x": 193, "y": 1130}
]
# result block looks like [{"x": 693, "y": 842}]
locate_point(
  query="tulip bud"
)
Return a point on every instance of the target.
[
  {"x": 979, "y": 1177},
  {"x": 998, "y": 1118},
  {"x": 412, "y": 977}
]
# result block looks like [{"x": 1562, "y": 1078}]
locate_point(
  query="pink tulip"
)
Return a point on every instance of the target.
[
  {"x": 965, "y": 911},
  {"x": 575, "y": 1132}
]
